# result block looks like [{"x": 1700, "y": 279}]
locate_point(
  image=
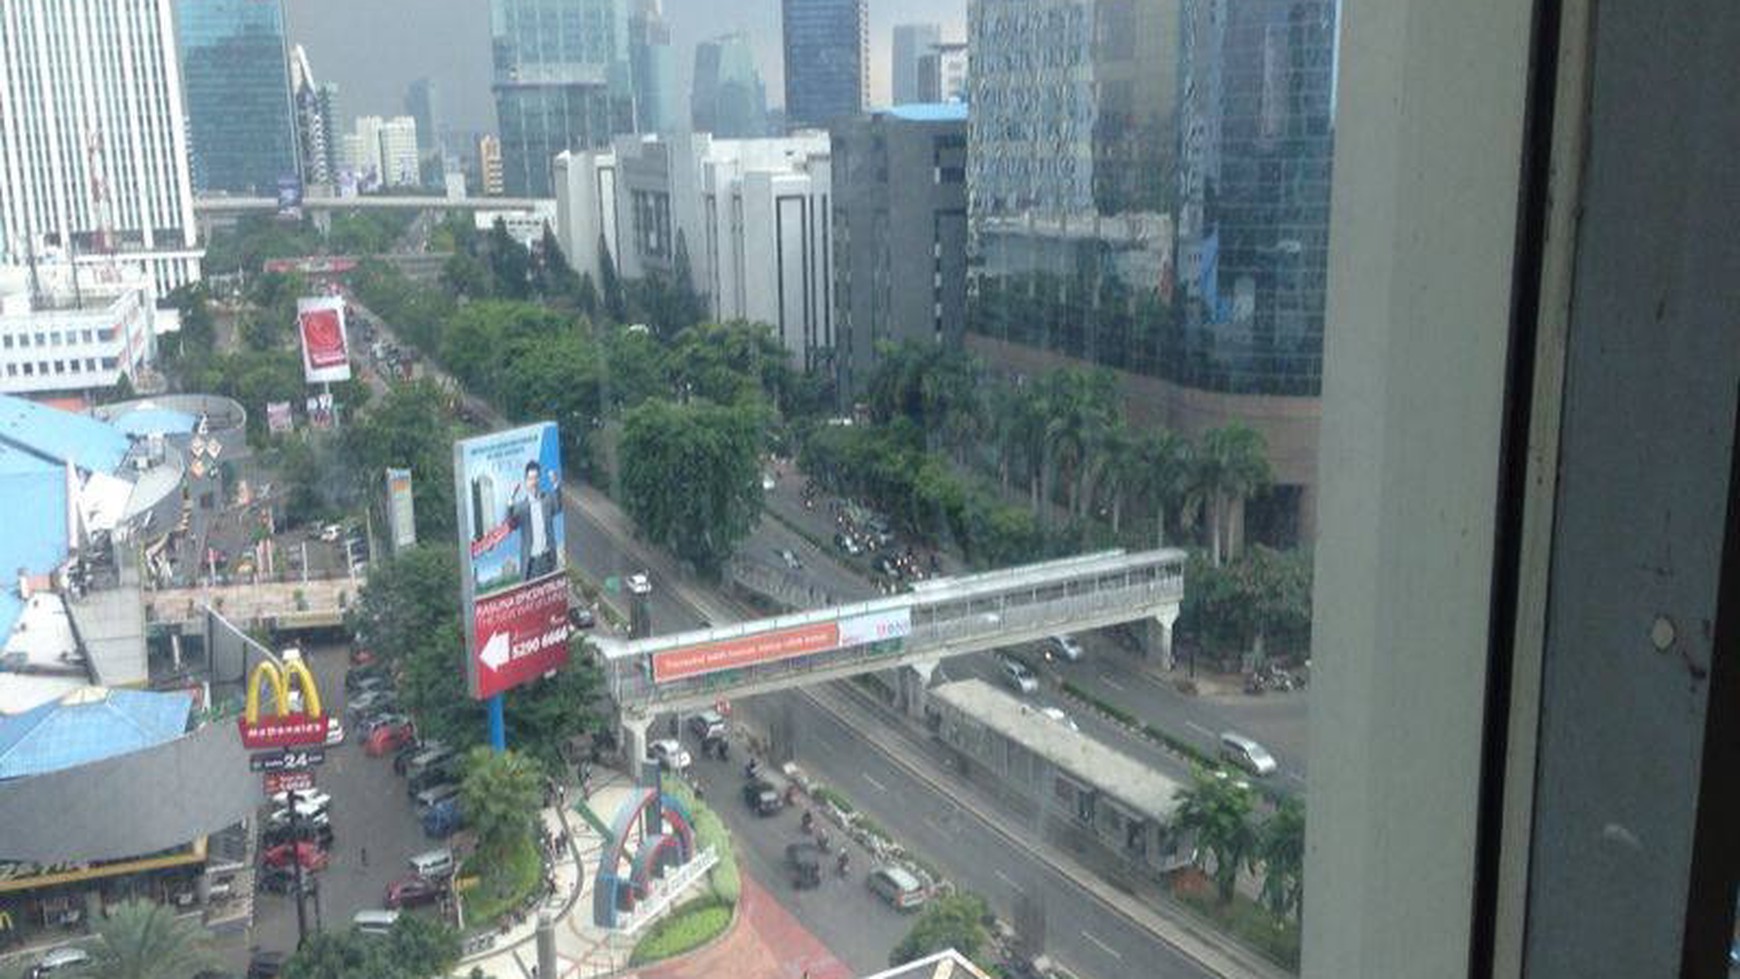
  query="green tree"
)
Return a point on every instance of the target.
[
  {"x": 1216, "y": 809},
  {"x": 691, "y": 476},
  {"x": 464, "y": 274},
  {"x": 954, "y": 921},
  {"x": 410, "y": 428},
  {"x": 1162, "y": 476},
  {"x": 509, "y": 264},
  {"x": 1230, "y": 467},
  {"x": 543, "y": 716},
  {"x": 1280, "y": 851},
  {"x": 145, "y": 940},
  {"x": 586, "y": 295},
  {"x": 553, "y": 277},
  {"x": 408, "y": 598},
  {"x": 726, "y": 363},
  {"x": 416, "y": 948},
  {"x": 502, "y": 792},
  {"x": 610, "y": 285}
]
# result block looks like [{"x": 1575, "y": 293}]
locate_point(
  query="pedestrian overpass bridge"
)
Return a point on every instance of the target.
[{"x": 943, "y": 617}]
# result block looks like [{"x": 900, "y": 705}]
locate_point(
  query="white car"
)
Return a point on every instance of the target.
[
  {"x": 331, "y": 532},
  {"x": 334, "y": 732},
  {"x": 306, "y": 814},
  {"x": 1019, "y": 676},
  {"x": 67, "y": 958},
  {"x": 1064, "y": 647},
  {"x": 1058, "y": 716},
  {"x": 307, "y": 799},
  {"x": 670, "y": 754}
]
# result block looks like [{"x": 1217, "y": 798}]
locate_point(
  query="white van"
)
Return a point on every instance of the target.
[
  {"x": 374, "y": 922},
  {"x": 1241, "y": 751},
  {"x": 433, "y": 864},
  {"x": 430, "y": 798}
]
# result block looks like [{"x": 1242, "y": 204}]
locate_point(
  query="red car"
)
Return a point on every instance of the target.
[
  {"x": 308, "y": 853},
  {"x": 408, "y": 892},
  {"x": 361, "y": 657},
  {"x": 389, "y": 738}
]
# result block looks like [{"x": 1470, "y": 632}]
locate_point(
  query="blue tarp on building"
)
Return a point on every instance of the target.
[
  {"x": 89, "y": 725},
  {"x": 155, "y": 421}
]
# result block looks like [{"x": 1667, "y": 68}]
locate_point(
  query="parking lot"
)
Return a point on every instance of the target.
[{"x": 375, "y": 831}]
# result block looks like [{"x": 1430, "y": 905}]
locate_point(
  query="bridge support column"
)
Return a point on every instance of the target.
[
  {"x": 911, "y": 682},
  {"x": 1156, "y": 637},
  {"x": 634, "y": 726}
]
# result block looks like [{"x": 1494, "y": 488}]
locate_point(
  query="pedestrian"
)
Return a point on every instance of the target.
[{"x": 364, "y": 853}]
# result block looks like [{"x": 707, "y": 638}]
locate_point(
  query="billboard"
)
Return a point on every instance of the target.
[
  {"x": 325, "y": 349},
  {"x": 401, "y": 512},
  {"x": 508, "y": 487},
  {"x": 780, "y": 644},
  {"x": 278, "y": 418},
  {"x": 290, "y": 197},
  {"x": 294, "y": 723}
]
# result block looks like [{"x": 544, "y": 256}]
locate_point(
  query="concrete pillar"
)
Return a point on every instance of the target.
[
  {"x": 634, "y": 740},
  {"x": 912, "y": 680},
  {"x": 546, "y": 946},
  {"x": 1156, "y": 634}
]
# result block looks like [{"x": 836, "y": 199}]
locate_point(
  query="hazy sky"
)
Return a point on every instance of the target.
[{"x": 373, "y": 49}]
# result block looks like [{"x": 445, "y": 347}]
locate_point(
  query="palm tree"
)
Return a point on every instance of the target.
[
  {"x": 502, "y": 792},
  {"x": 1117, "y": 468},
  {"x": 1163, "y": 474},
  {"x": 1217, "y": 811},
  {"x": 1230, "y": 468},
  {"x": 1281, "y": 852},
  {"x": 145, "y": 940}
]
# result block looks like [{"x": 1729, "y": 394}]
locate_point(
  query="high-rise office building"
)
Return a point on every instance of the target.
[
  {"x": 93, "y": 140},
  {"x": 316, "y": 111},
  {"x": 942, "y": 73},
  {"x": 423, "y": 104},
  {"x": 729, "y": 98},
  {"x": 401, "y": 161},
  {"x": 827, "y": 60},
  {"x": 240, "y": 116},
  {"x": 900, "y": 232},
  {"x": 1108, "y": 136},
  {"x": 489, "y": 166},
  {"x": 657, "y": 104},
  {"x": 1253, "y": 184},
  {"x": 562, "y": 82},
  {"x": 911, "y": 42}
]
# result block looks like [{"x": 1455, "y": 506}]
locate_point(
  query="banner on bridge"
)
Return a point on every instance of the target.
[{"x": 780, "y": 644}]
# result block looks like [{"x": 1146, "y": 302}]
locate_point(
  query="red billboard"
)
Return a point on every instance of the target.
[
  {"x": 513, "y": 553},
  {"x": 277, "y": 782},
  {"x": 325, "y": 351}
]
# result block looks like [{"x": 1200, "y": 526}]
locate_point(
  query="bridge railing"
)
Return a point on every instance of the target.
[{"x": 941, "y": 625}]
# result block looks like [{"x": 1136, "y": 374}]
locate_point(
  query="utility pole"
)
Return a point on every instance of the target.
[{"x": 296, "y": 860}]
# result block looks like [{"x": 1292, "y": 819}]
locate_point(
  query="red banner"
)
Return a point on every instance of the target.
[
  {"x": 277, "y": 782},
  {"x": 283, "y": 731},
  {"x": 730, "y": 654},
  {"x": 323, "y": 337},
  {"x": 522, "y": 633}
]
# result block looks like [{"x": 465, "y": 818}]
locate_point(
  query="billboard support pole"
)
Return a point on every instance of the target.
[{"x": 497, "y": 724}]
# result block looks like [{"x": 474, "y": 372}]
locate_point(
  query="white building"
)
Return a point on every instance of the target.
[
  {"x": 753, "y": 214},
  {"x": 66, "y": 336},
  {"x": 400, "y": 164},
  {"x": 524, "y": 225},
  {"x": 93, "y": 136}
]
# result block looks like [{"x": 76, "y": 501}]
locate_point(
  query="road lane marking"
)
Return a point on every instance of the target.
[
  {"x": 1106, "y": 678},
  {"x": 1103, "y": 946},
  {"x": 1005, "y": 878},
  {"x": 1199, "y": 729},
  {"x": 879, "y": 786},
  {"x": 1295, "y": 776}
]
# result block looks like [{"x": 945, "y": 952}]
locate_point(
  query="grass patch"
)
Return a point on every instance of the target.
[
  {"x": 829, "y": 796},
  {"x": 710, "y": 832},
  {"x": 687, "y": 928},
  {"x": 1276, "y": 938},
  {"x": 1113, "y": 710},
  {"x": 1190, "y": 751},
  {"x": 502, "y": 884}
]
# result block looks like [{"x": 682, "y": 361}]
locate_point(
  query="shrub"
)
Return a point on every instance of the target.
[{"x": 687, "y": 928}]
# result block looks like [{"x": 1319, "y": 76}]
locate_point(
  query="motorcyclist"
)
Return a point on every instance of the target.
[
  {"x": 808, "y": 821},
  {"x": 845, "y": 859}
]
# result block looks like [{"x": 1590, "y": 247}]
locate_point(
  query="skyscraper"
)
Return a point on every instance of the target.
[
  {"x": 316, "y": 109},
  {"x": 93, "y": 142},
  {"x": 827, "y": 63},
  {"x": 235, "y": 69},
  {"x": 423, "y": 103},
  {"x": 562, "y": 82},
  {"x": 942, "y": 73},
  {"x": 657, "y": 106},
  {"x": 911, "y": 41},
  {"x": 729, "y": 98}
]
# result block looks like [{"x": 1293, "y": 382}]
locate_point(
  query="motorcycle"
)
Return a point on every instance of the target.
[
  {"x": 844, "y": 861},
  {"x": 808, "y": 821}
]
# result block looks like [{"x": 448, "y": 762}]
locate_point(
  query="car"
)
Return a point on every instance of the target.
[
  {"x": 309, "y": 855},
  {"x": 670, "y": 754},
  {"x": 362, "y": 656},
  {"x": 708, "y": 724},
  {"x": 581, "y": 617},
  {"x": 790, "y": 559},
  {"x": 900, "y": 887},
  {"x": 318, "y": 798},
  {"x": 282, "y": 880},
  {"x": 1017, "y": 675},
  {"x": 305, "y": 814},
  {"x": 370, "y": 701},
  {"x": 273, "y": 835},
  {"x": 67, "y": 958},
  {"x": 1064, "y": 647},
  {"x": 403, "y": 754},
  {"x": 331, "y": 533},
  {"x": 762, "y": 798},
  {"x": 639, "y": 584},
  {"x": 1246, "y": 754},
  {"x": 804, "y": 862},
  {"x": 334, "y": 733},
  {"x": 432, "y": 776},
  {"x": 366, "y": 679},
  {"x": 847, "y": 543},
  {"x": 388, "y": 738},
  {"x": 1056, "y": 714},
  {"x": 374, "y": 722},
  {"x": 266, "y": 965},
  {"x": 413, "y": 890}
]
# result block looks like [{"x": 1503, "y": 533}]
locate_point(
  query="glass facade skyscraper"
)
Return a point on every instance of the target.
[
  {"x": 827, "y": 60},
  {"x": 236, "y": 74},
  {"x": 562, "y": 82},
  {"x": 729, "y": 99}
]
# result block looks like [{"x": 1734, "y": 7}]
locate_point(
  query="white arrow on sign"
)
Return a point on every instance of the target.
[{"x": 495, "y": 652}]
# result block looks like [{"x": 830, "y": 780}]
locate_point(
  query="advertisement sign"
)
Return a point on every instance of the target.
[
  {"x": 288, "y": 727},
  {"x": 401, "y": 511},
  {"x": 290, "y": 197},
  {"x": 780, "y": 644},
  {"x": 276, "y": 782},
  {"x": 278, "y": 417},
  {"x": 291, "y": 760},
  {"x": 320, "y": 410},
  {"x": 508, "y": 487},
  {"x": 325, "y": 349}
]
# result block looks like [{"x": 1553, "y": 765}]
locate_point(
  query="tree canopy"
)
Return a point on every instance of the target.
[
  {"x": 954, "y": 921},
  {"x": 691, "y": 476},
  {"x": 416, "y": 948}
]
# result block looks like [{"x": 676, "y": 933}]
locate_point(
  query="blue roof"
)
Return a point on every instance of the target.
[
  {"x": 89, "y": 725},
  {"x": 58, "y": 435},
  {"x": 930, "y": 111},
  {"x": 155, "y": 421}
]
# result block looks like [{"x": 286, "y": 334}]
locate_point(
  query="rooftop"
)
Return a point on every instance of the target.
[
  {"x": 947, "y": 964},
  {"x": 1081, "y": 757},
  {"x": 57, "y": 436},
  {"x": 930, "y": 111},
  {"x": 86, "y": 725}
]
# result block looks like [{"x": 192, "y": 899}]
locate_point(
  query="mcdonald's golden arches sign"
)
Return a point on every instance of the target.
[{"x": 286, "y": 727}]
